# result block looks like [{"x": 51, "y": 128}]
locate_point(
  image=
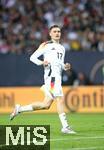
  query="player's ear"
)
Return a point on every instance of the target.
[{"x": 49, "y": 34}]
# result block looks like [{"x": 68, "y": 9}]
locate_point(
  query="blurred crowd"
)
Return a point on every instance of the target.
[
  {"x": 24, "y": 24},
  {"x": 75, "y": 79}
]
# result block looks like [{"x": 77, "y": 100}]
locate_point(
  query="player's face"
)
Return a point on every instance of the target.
[{"x": 55, "y": 33}]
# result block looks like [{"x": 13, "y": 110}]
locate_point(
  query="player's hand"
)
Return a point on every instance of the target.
[
  {"x": 67, "y": 66},
  {"x": 45, "y": 63}
]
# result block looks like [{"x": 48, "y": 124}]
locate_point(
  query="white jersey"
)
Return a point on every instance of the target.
[{"x": 54, "y": 53}]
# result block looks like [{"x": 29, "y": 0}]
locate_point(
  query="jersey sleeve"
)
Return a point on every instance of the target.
[{"x": 35, "y": 56}]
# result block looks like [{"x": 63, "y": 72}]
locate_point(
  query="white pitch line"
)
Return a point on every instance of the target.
[
  {"x": 88, "y": 148},
  {"x": 67, "y": 139},
  {"x": 84, "y": 148},
  {"x": 77, "y": 138}
]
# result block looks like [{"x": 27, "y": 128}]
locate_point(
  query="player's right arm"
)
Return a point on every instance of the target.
[{"x": 40, "y": 51}]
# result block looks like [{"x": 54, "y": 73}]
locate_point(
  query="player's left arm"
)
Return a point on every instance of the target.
[{"x": 65, "y": 66}]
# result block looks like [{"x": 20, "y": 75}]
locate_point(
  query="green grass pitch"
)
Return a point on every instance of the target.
[{"x": 89, "y": 128}]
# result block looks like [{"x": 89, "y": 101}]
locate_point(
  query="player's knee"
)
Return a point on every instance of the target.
[{"x": 47, "y": 106}]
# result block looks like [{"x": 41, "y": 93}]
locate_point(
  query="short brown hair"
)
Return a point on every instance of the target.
[{"x": 54, "y": 26}]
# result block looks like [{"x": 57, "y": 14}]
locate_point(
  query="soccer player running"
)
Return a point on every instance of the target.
[{"x": 53, "y": 63}]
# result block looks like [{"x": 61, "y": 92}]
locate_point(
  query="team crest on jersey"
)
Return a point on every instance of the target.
[{"x": 53, "y": 48}]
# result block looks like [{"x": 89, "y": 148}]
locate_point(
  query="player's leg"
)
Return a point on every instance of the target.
[
  {"x": 45, "y": 104},
  {"x": 32, "y": 107},
  {"x": 60, "y": 108}
]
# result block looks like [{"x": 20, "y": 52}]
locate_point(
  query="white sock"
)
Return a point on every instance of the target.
[
  {"x": 63, "y": 120},
  {"x": 26, "y": 108}
]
